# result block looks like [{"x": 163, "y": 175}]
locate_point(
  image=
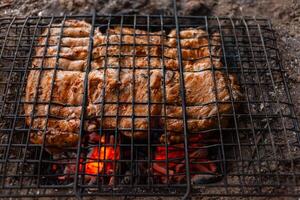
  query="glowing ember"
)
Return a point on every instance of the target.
[
  {"x": 108, "y": 153},
  {"x": 95, "y": 160},
  {"x": 167, "y": 160},
  {"x": 199, "y": 162},
  {"x": 99, "y": 160}
]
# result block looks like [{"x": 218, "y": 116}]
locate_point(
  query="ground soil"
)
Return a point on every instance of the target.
[{"x": 284, "y": 15}]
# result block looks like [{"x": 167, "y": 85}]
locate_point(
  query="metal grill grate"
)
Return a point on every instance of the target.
[{"x": 255, "y": 154}]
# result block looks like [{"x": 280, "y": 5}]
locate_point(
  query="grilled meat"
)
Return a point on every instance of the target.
[
  {"x": 207, "y": 94},
  {"x": 133, "y": 73}
]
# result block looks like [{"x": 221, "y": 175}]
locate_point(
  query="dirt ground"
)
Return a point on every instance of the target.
[{"x": 284, "y": 15}]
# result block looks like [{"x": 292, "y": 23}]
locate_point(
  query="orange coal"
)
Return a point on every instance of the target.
[
  {"x": 98, "y": 155},
  {"x": 171, "y": 160}
]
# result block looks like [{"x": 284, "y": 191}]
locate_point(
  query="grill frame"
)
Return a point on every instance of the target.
[{"x": 263, "y": 27}]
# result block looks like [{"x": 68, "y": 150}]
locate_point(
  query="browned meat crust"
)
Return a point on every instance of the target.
[
  {"x": 119, "y": 74},
  {"x": 67, "y": 98},
  {"x": 201, "y": 100}
]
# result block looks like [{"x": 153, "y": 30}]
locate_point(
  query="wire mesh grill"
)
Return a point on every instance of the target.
[{"x": 255, "y": 153}]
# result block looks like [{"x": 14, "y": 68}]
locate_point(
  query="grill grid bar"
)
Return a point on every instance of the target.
[
  {"x": 17, "y": 105},
  {"x": 132, "y": 102},
  {"x": 183, "y": 104},
  {"x": 256, "y": 153},
  {"x": 51, "y": 90},
  {"x": 84, "y": 105},
  {"x": 164, "y": 100}
]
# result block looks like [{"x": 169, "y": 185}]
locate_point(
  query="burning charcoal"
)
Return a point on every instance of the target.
[
  {"x": 162, "y": 170},
  {"x": 94, "y": 162},
  {"x": 97, "y": 155},
  {"x": 198, "y": 156},
  {"x": 111, "y": 139}
]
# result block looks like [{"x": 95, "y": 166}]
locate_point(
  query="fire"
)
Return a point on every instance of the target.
[
  {"x": 102, "y": 160},
  {"x": 98, "y": 155},
  {"x": 95, "y": 161},
  {"x": 99, "y": 159}
]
